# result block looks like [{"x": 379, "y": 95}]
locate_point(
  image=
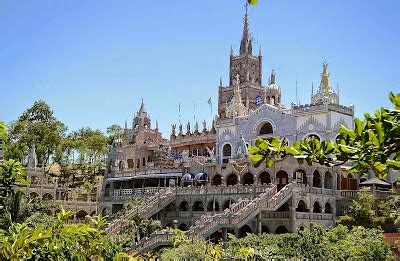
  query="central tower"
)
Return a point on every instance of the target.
[{"x": 248, "y": 69}]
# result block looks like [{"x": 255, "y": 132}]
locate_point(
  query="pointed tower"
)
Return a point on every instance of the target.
[
  {"x": 325, "y": 93},
  {"x": 142, "y": 119},
  {"x": 246, "y": 46},
  {"x": 248, "y": 67}
]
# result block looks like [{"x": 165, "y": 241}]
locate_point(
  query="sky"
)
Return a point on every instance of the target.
[{"x": 93, "y": 61}]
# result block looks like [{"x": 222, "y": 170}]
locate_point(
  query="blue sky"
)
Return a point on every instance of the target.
[{"x": 93, "y": 61}]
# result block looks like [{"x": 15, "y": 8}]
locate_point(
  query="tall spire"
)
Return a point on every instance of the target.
[
  {"x": 325, "y": 86},
  {"x": 246, "y": 45}
]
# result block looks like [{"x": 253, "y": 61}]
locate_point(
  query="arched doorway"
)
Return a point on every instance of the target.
[
  {"x": 198, "y": 206},
  {"x": 213, "y": 206},
  {"x": 232, "y": 180},
  {"x": 184, "y": 206},
  {"x": 317, "y": 207},
  {"x": 328, "y": 208},
  {"x": 316, "y": 179},
  {"x": 301, "y": 207},
  {"x": 264, "y": 178},
  {"x": 300, "y": 176},
  {"x": 328, "y": 180},
  {"x": 217, "y": 180},
  {"x": 244, "y": 230},
  {"x": 248, "y": 179},
  {"x": 281, "y": 230},
  {"x": 81, "y": 214},
  {"x": 282, "y": 179},
  {"x": 121, "y": 166}
]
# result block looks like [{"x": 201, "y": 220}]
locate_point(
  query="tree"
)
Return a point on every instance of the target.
[
  {"x": 114, "y": 132},
  {"x": 374, "y": 144},
  {"x": 36, "y": 126}
]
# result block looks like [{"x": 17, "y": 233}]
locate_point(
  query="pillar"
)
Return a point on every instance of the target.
[
  {"x": 258, "y": 224},
  {"x": 292, "y": 216},
  {"x": 224, "y": 233}
]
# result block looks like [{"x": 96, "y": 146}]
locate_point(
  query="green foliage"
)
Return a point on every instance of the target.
[
  {"x": 374, "y": 144},
  {"x": 367, "y": 211},
  {"x": 252, "y": 2},
  {"x": 114, "y": 132},
  {"x": 317, "y": 243},
  {"x": 191, "y": 249},
  {"x": 58, "y": 241},
  {"x": 36, "y": 126}
]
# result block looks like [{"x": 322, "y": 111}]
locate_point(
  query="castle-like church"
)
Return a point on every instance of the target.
[{"x": 202, "y": 180}]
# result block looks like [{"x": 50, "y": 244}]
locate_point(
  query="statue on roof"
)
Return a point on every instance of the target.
[
  {"x": 31, "y": 158},
  {"x": 242, "y": 151}
]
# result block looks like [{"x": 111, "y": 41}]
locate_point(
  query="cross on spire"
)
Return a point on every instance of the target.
[{"x": 246, "y": 45}]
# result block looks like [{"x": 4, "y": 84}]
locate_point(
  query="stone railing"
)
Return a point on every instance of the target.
[
  {"x": 279, "y": 215},
  {"x": 237, "y": 213},
  {"x": 144, "y": 171},
  {"x": 156, "y": 238},
  {"x": 149, "y": 207}
]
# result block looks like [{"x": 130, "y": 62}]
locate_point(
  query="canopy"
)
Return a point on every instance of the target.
[
  {"x": 201, "y": 176},
  {"x": 375, "y": 181},
  {"x": 187, "y": 177}
]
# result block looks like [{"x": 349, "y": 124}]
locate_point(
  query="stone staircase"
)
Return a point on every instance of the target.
[
  {"x": 151, "y": 205},
  {"x": 237, "y": 215}
]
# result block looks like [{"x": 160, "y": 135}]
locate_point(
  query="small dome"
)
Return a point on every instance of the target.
[
  {"x": 274, "y": 86},
  {"x": 201, "y": 177},
  {"x": 187, "y": 177}
]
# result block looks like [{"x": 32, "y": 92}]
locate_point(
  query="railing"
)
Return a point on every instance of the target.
[
  {"x": 279, "y": 215},
  {"x": 315, "y": 216},
  {"x": 137, "y": 172}
]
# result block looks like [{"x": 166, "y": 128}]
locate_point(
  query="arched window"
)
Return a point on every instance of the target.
[
  {"x": 328, "y": 180},
  {"x": 121, "y": 166},
  {"x": 317, "y": 207},
  {"x": 328, "y": 208},
  {"x": 248, "y": 179},
  {"x": 232, "y": 180},
  {"x": 301, "y": 207},
  {"x": 266, "y": 129},
  {"x": 198, "y": 206},
  {"x": 226, "y": 153},
  {"x": 282, "y": 178},
  {"x": 184, "y": 206},
  {"x": 300, "y": 176},
  {"x": 216, "y": 181},
  {"x": 265, "y": 178},
  {"x": 316, "y": 179},
  {"x": 47, "y": 196}
]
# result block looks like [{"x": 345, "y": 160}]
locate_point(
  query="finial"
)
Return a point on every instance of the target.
[
  {"x": 259, "y": 51},
  {"x": 220, "y": 81},
  {"x": 231, "y": 50},
  {"x": 273, "y": 76},
  {"x": 157, "y": 124}
]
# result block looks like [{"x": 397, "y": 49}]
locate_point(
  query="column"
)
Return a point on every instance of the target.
[
  {"x": 224, "y": 233},
  {"x": 292, "y": 215},
  {"x": 258, "y": 225}
]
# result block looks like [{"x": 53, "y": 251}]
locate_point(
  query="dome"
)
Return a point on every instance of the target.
[
  {"x": 187, "y": 177},
  {"x": 201, "y": 177},
  {"x": 274, "y": 86}
]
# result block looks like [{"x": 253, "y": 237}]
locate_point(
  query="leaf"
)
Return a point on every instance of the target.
[
  {"x": 256, "y": 158},
  {"x": 252, "y": 2},
  {"x": 393, "y": 164}
]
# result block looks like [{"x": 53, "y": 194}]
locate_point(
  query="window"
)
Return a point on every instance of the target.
[
  {"x": 226, "y": 153},
  {"x": 266, "y": 129}
]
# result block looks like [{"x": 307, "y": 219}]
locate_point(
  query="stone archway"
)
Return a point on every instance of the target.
[
  {"x": 264, "y": 178},
  {"x": 198, "y": 206},
  {"x": 316, "y": 207},
  {"x": 47, "y": 196},
  {"x": 281, "y": 230},
  {"x": 264, "y": 229},
  {"x": 282, "y": 179},
  {"x": 328, "y": 208},
  {"x": 316, "y": 179},
  {"x": 217, "y": 180},
  {"x": 33, "y": 195},
  {"x": 81, "y": 214},
  {"x": 183, "y": 227},
  {"x": 232, "y": 180},
  {"x": 227, "y": 204},
  {"x": 328, "y": 180},
  {"x": 300, "y": 176},
  {"x": 244, "y": 230},
  {"x": 301, "y": 207},
  {"x": 213, "y": 206},
  {"x": 248, "y": 179},
  {"x": 184, "y": 206}
]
